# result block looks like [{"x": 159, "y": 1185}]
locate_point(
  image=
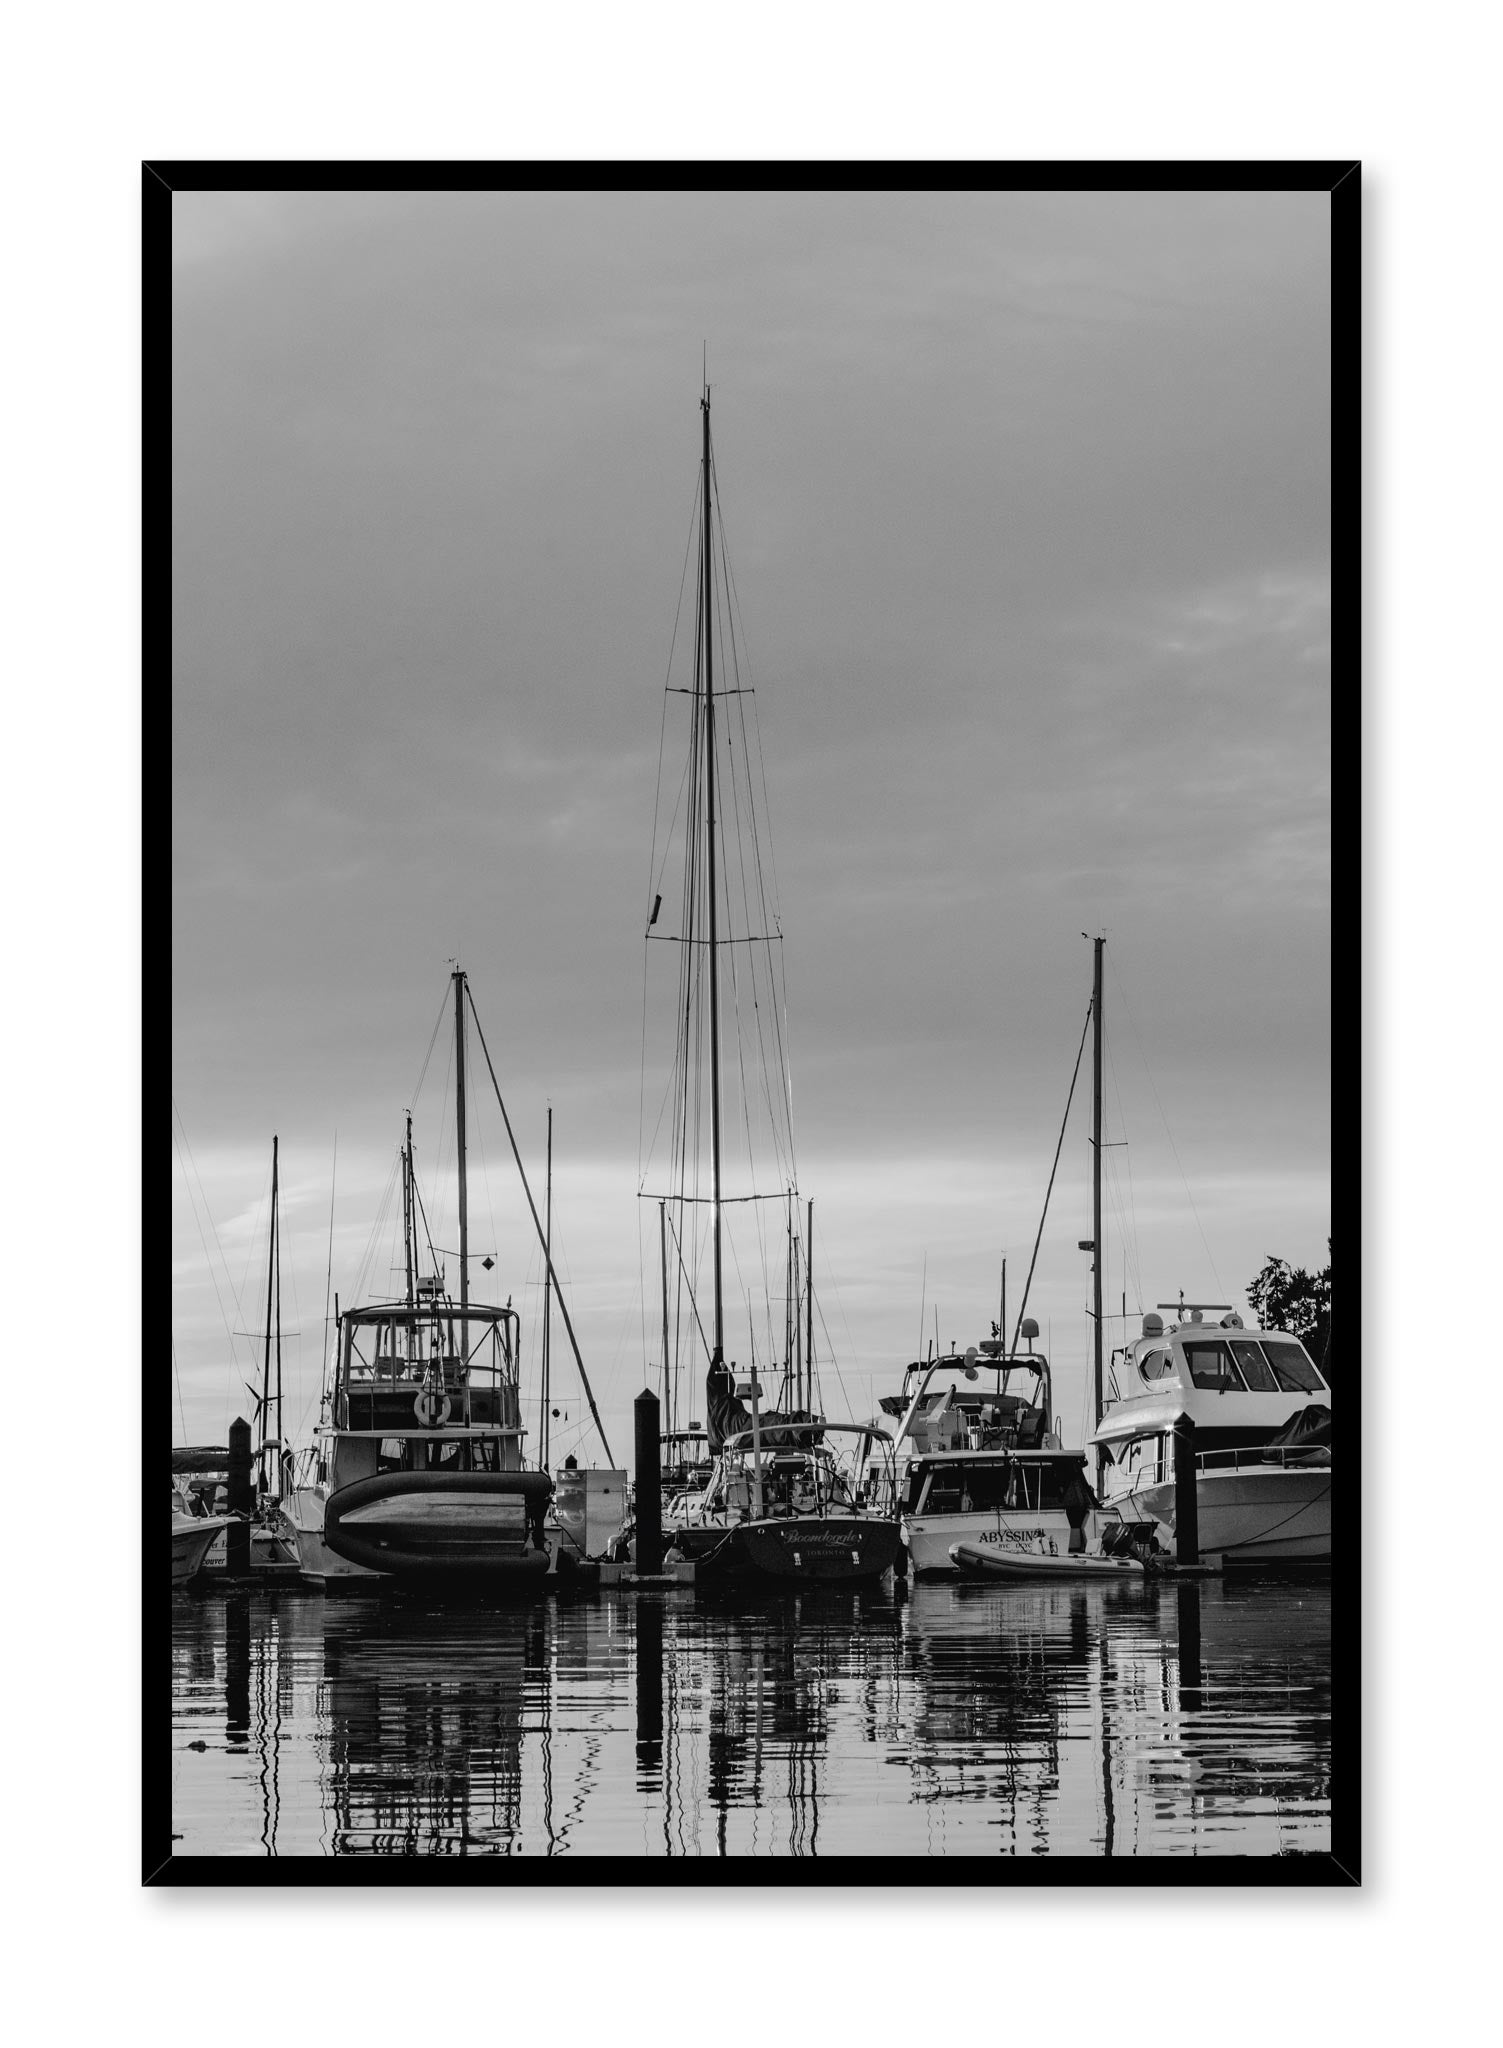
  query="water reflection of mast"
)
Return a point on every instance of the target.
[
  {"x": 269, "y": 1733},
  {"x": 1109, "y": 1813}
]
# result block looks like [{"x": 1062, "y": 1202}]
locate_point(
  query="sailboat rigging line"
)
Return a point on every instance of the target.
[
  {"x": 689, "y": 1289},
  {"x": 438, "y": 1024},
  {"x": 1023, "y": 1305},
  {"x": 417, "y": 1196},
  {"x": 177, "y": 1379},
  {"x": 366, "y": 1267},
  {"x": 780, "y": 1011},
  {"x": 653, "y": 878},
  {"x": 552, "y": 1273},
  {"x": 753, "y": 884},
  {"x": 1184, "y": 1178},
  {"x": 329, "y": 1272},
  {"x": 1126, "y": 1212}
]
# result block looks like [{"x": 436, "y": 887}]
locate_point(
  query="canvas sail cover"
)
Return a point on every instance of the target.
[{"x": 726, "y": 1416}]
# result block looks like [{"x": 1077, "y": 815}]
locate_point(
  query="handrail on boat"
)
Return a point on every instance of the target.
[{"x": 1252, "y": 1457}]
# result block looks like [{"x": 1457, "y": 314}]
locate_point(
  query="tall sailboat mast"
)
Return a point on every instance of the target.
[
  {"x": 707, "y": 605},
  {"x": 464, "y": 1211},
  {"x": 1096, "y": 1260}
]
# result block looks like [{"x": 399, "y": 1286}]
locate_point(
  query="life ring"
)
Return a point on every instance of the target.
[{"x": 431, "y": 1408}]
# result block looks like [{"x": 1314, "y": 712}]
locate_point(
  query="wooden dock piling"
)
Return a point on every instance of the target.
[
  {"x": 237, "y": 1538},
  {"x": 1186, "y": 1503},
  {"x": 649, "y": 1493}
]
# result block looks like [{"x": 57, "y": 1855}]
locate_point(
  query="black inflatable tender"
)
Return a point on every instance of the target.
[{"x": 403, "y": 1546}]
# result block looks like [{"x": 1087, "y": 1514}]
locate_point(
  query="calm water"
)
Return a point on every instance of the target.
[{"x": 955, "y": 1721}]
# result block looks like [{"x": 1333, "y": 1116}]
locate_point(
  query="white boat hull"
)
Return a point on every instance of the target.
[
  {"x": 318, "y": 1564},
  {"x": 192, "y": 1538},
  {"x": 1268, "y": 1514}
]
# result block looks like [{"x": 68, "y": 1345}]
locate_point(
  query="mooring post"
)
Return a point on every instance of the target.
[
  {"x": 1186, "y": 1506},
  {"x": 649, "y": 1484},
  {"x": 238, "y": 1500}
]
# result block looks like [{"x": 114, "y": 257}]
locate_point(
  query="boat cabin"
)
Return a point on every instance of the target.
[
  {"x": 986, "y": 1399},
  {"x": 1240, "y": 1387},
  {"x": 1214, "y": 1358},
  {"x": 429, "y": 1362},
  {"x": 962, "y": 1484},
  {"x": 424, "y": 1386},
  {"x": 686, "y": 1464},
  {"x": 789, "y": 1477}
]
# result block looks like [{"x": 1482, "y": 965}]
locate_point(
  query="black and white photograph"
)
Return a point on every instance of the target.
[{"x": 753, "y": 1069}]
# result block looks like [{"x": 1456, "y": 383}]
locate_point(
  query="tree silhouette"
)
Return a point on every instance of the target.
[{"x": 1285, "y": 1297}]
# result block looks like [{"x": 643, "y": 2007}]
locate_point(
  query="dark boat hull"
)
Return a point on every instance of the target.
[
  {"x": 795, "y": 1550},
  {"x": 471, "y": 1525}
]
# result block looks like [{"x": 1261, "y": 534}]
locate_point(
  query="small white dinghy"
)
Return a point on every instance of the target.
[{"x": 1031, "y": 1564}]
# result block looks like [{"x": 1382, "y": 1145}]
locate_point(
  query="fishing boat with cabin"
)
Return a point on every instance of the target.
[
  {"x": 978, "y": 1462},
  {"x": 418, "y": 1470}
]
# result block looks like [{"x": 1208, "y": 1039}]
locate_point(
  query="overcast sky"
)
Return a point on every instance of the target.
[{"x": 1027, "y": 500}]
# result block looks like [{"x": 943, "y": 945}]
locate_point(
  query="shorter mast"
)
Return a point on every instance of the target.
[
  {"x": 809, "y": 1307},
  {"x": 464, "y": 1211},
  {"x": 798, "y": 1332},
  {"x": 547, "y": 1293},
  {"x": 790, "y": 1315},
  {"x": 407, "y": 1233},
  {"x": 276, "y": 1224},
  {"x": 271, "y": 1268}
]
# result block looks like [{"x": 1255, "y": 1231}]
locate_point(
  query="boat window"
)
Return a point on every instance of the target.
[
  {"x": 1292, "y": 1368},
  {"x": 1211, "y": 1367},
  {"x": 943, "y": 1497},
  {"x": 989, "y": 1486},
  {"x": 1255, "y": 1367},
  {"x": 1153, "y": 1365},
  {"x": 982, "y": 1488}
]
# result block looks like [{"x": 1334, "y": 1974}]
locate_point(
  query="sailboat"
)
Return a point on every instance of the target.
[
  {"x": 778, "y": 1503},
  {"x": 419, "y": 1471},
  {"x": 272, "y": 1538},
  {"x": 198, "y": 1474}
]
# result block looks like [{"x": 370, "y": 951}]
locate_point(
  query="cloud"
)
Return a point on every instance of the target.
[{"x": 1028, "y": 506}]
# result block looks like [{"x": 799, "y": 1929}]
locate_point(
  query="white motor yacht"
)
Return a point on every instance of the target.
[{"x": 1261, "y": 1411}]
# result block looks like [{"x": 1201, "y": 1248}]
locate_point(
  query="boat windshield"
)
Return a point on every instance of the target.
[
  {"x": 1270, "y": 1366},
  {"x": 962, "y": 1488}
]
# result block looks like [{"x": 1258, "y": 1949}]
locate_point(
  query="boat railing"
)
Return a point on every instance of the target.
[{"x": 1247, "y": 1457}]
